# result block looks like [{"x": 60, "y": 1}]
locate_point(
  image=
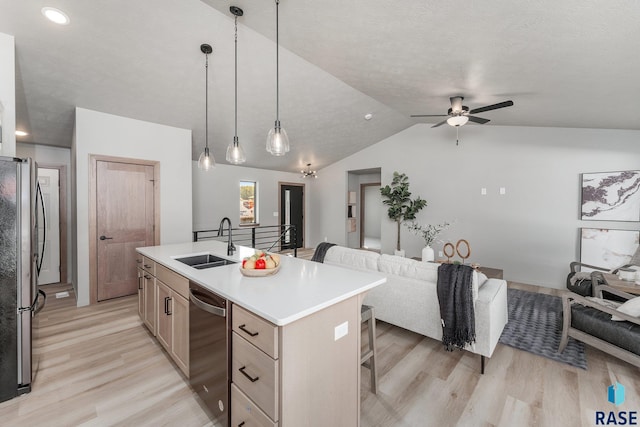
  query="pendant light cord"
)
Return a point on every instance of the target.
[
  {"x": 277, "y": 65},
  {"x": 206, "y": 101},
  {"x": 235, "y": 139}
]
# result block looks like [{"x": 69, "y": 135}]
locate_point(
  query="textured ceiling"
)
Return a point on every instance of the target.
[{"x": 569, "y": 64}]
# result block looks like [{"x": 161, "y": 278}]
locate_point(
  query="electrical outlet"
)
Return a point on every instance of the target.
[
  {"x": 340, "y": 331},
  {"x": 503, "y": 191},
  {"x": 483, "y": 191}
]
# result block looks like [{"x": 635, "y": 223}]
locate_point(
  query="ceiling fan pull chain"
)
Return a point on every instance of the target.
[{"x": 457, "y": 139}]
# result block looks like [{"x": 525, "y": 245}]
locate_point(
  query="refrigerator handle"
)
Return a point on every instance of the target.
[
  {"x": 37, "y": 307},
  {"x": 44, "y": 226}
]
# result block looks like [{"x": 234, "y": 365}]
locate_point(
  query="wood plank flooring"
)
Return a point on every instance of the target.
[{"x": 100, "y": 367}]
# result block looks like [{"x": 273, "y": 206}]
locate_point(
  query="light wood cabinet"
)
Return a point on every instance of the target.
[
  {"x": 304, "y": 373},
  {"x": 163, "y": 306}
]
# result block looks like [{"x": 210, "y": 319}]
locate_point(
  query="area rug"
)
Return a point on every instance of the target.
[{"x": 535, "y": 325}]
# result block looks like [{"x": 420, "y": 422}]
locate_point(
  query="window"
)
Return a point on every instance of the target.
[{"x": 248, "y": 203}]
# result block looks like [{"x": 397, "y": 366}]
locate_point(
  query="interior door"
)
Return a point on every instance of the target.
[
  {"x": 49, "y": 229},
  {"x": 124, "y": 221},
  {"x": 292, "y": 212}
]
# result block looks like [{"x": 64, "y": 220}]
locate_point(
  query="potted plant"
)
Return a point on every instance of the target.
[
  {"x": 429, "y": 233},
  {"x": 401, "y": 206}
]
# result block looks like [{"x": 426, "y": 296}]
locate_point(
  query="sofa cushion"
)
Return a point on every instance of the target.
[
  {"x": 352, "y": 258},
  {"x": 631, "y": 307},
  {"x": 598, "y": 324},
  {"x": 408, "y": 268}
]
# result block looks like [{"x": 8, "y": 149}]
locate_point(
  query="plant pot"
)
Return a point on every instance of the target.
[
  {"x": 398, "y": 252},
  {"x": 428, "y": 254}
]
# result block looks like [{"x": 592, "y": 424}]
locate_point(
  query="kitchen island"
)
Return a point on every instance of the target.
[{"x": 294, "y": 336}]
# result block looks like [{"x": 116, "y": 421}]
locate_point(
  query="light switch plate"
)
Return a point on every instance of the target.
[
  {"x": 483, "y": 191},
  {"x": 275, "y": 214},
  {"x": 503, "y": 191},
  {"x": 341, "y": 330}
]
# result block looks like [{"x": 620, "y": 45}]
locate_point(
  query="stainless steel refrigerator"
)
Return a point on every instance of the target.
[{"x": 20, "y": 299}]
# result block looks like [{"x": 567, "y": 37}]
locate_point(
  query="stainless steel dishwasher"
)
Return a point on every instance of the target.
[{"x": 209, "y": 351}]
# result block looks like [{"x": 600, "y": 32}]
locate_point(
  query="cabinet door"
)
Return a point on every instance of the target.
[
  {"x": 140, "y": 295},
  {"x": 163, "y": 325},
  {"x": 149, "y": 293},
  {"x": 180, "y": 331}
]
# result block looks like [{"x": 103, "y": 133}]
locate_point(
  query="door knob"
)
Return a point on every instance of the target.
[{"x": 105, "y": 238}]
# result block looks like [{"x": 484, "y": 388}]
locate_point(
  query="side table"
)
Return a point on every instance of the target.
[{"x": 622, "y": 285}]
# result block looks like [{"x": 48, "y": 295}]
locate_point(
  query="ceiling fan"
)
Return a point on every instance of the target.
[{"x": 459, "y": 114}]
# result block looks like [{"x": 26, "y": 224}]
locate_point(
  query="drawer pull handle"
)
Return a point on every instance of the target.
[
  {"x": 147, "y": 266},
  {"x": 146, "y": 276},
  {"x": 243, "y": 329},
  {"x": 139, "y": 261},
  {"x": 166, "y": 306},
  {"x": 253, "y": 380}
]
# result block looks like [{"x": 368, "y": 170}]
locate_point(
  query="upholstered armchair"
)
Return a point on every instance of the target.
[{"x": 589, "y": 320}]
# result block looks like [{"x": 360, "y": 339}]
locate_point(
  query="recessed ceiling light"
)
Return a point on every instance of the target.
[
  {"x": 368, "y": 116},
  {"x": 21, "y": 133},
  {"x": 55, "y": 15}
]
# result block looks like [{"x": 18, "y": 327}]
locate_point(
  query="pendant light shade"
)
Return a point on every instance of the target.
[
  {"x": 277, "y": 139},
  {"x": 206, "y": 160},
  {"x": 235, "y": 153}
]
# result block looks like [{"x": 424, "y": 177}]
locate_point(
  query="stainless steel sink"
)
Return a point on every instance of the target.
[{"x": 204, "y": 261}]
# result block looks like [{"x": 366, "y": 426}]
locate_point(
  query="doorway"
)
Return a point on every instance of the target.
[
  {"x": 53, "y": 184},
  {"x": 370, "y": 216},
  {"x": 291, "y": 202},
  {"x": 124, "y": 213}
]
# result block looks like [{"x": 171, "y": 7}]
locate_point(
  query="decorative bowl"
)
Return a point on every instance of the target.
[{"x": 259, "y": 272}]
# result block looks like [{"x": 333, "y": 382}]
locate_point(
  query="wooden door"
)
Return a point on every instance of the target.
[
  {"x": 49, "y": 226},
  {"x": 124, "y": 221},
  {"x": 292, "y": 212}
]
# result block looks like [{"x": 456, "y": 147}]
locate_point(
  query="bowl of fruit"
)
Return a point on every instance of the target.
[{"x": 260, "y": 264}]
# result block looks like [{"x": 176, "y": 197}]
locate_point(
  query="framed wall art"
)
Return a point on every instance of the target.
[
  {"x": 607, "y": 248},
  {"x": 611, "y": 196}
]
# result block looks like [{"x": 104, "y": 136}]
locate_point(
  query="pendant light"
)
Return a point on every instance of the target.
[
  {"x": 206, "y": 160},
  {"x": 235, "y": 153},
  {"x": 277, "y": 140}
]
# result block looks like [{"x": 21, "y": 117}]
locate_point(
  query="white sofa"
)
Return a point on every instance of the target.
[{"x": 409, "y": 297}]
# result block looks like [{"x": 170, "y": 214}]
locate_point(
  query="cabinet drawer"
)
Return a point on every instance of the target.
[
  {"x": 178, "y": 283},
  {"x": 256, "y": 374},
  {"x": 257, "y": 331},
  {"x": 245, "y": 412},
  {"x": 149, "y": 266}
]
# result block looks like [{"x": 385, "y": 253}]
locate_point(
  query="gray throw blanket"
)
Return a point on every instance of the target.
[
  {"x": 321, "y": 251},
  {"x": 455, "y": 295}
]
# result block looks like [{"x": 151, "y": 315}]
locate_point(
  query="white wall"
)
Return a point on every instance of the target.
[
  {"x": 55, "y": 156},
  {"x": 532, "y": 232},
  {"x": 216, "y": 194},
  {"x": 7, "y": 95},
  {"x": 106, "y": 134}
]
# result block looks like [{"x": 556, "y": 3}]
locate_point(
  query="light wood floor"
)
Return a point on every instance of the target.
[{"x": 100, "y": 367}]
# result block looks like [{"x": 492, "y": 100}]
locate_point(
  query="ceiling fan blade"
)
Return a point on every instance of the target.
[
  {"x": 456, "y": 103},
  {"x": 429, "y": 115},
  {"x": 479, "y": 120},
  {"x": 491, "y": 107},
  {"x": 439, "y": 124}
]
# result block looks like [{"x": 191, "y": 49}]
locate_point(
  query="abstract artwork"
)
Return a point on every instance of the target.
[
  {"x": 607, "y": 248},
  {"x": 611, "y": 196}
]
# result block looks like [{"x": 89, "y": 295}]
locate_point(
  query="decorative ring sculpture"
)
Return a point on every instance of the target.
[
  {"x": 468, "y": 249},
  {"x": 449, "y": 245}
]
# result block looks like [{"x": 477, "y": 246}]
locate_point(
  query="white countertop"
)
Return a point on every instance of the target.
[{"x": 298, "y": 289}]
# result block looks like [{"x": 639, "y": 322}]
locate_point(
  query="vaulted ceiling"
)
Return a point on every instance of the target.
[{"x": 564, "y": 64}]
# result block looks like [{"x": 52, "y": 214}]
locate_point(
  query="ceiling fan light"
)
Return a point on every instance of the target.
[{"x": 457, "y": 120}]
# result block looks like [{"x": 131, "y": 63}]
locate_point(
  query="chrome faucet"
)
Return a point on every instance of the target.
[{"x": 230, "y": 246}]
